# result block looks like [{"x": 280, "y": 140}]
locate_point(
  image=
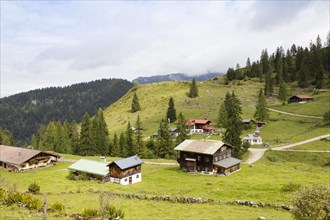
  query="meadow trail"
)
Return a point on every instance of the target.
[
  {"x": 257, "y": 153},
  {"x": 288, "y": 113}
]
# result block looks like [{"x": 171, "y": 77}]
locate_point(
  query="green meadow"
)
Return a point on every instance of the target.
[{"x": 266, "y": 181}]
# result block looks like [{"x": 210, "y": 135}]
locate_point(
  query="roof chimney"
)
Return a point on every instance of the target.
[{"x": 103, "y": 159}]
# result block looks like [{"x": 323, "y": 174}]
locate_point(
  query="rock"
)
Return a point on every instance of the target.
[{"x": 261, "y": 218}]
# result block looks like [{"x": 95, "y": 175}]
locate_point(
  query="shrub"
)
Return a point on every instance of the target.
[
  {"x": 30, "y": 202},
  {"x": 90, "y": 213},
  {"x": 291, "y": 187},
  {"x": 57, "y": 207},
  {"x": 311, "y": 203},
  {"x": 112, "y": 212},
  {"x": 34, "y": 188}
]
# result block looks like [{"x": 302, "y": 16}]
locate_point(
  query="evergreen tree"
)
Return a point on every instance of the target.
[
  {"x": 264, "y": 60},
  {"x": 85, "y": 132},
  {"x": 99, "y": 134},
  {"x": 193, "y": 92},
  {"x": 268, "y": 85},
  {"x": 283, "y": 94},
  {"x": 123, "y": 145},
  {"x": 261, "y": 113},
  {"x": 183, "y": 133},
  {"x": 222, "y": 116},
  {"x": 115, "y": 150},
  {"x": 140, "y": 148},
  {"x": 6, "y": 138},
  {"x": 74, "y": 136},
  {"x": 135, "y": 103},
  {"x": 164, "y": 141},
  {"x": 171, "y": 112},
  {"x": 234, "y": 124},
  {"x": 130, "y": 143},
  {"x": 326, "y": 118},
  {"x": 230, "y": 74}
]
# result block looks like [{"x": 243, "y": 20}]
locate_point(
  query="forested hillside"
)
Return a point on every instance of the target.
[{"x": 22, "y": 114}]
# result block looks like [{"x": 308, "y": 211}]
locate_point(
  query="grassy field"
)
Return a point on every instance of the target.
[
  {"x": 281, "y": 129},
  {"x": 315, "y": 145},
  {"x": 262, "y": 182}
]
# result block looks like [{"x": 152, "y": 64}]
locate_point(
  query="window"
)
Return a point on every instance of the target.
[
  {"x": 216, "y": 159},
  {"x": 137, "y": 176},
  {"x": 184, "y": 156},
  {"x": 199, "y": 158},
  {"x": 207, "y": 159},
  {"x": 125, "y": 179}
]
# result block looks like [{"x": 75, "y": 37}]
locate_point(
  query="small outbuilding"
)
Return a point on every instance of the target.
[
  {"x": 18, "y": 159},
  {"x": 125, "y": 171},
  {"x": 300, "y": 98},
  {"x": 94, "y": 169}
]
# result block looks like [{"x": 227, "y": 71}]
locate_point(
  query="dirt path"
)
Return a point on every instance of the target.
[
  {"x": 288, "y": 113},
  {"x": 301, "y": 143},
  {"x": 257, "y": 153}
]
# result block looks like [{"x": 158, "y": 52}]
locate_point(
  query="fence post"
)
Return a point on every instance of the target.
[{"x": 45, "y": 207}]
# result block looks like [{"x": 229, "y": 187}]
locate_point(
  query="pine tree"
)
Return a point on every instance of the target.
[
  {"x": 171, "y": 112},
  {"x": 130, "y": 143},
  {"x": 283, "y": 92},
  {"x": 261, "y": 113},
  {"x": 135, "y": 103},
  {"x": 268, "y": 85},
  {"x": 74, "y": 136},
  {"x": 140, "y": 148},
  {"x": 115, "y": 150},
  {"x": 222, "y": 116},
  {"x": 164, "y": 141},
  {"x": 85, "y": 140},
  {"x": 123, "y": 145},
  {"x": 183, "y": 133},
  {"x": 193, "y": 92},
  {"x": 264, "y": 60},
  {"x": 234, "y": 124}
]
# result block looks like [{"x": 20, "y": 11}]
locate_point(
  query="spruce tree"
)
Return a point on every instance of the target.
[
  {"x": 85, "y": 141},
  {"x": 183, "y": 133},
  {"x": 282, "y": 95},
  {"x": 140, "y": 147},
  {"x": 123, "y": 145},
  {"x": 115, "y": 150},
  {"x": 261, "y": 113},
  {"x": 135, "y": 103},
  {"x": 193, "y": 92},
  {"x": 222, "y": 116},
  {"x": 130, "y": 143},
  {"x": 171, "y": 112},
  {"x": 164, "y": 141},
  {"x": 234, "y": 124}
]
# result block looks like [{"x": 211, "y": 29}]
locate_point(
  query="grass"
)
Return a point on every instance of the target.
[
  {"x": 315, "y": 145},
  {"x": 252, "y": 183}
]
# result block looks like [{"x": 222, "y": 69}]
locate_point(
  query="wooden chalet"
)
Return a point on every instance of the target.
[
  {"x": 300, "y": 98},
  {"x": 17, "y": 159},
  {"x": 199, "y": 126},
  {"x": 209, "y": 157},
  {"x": 125, "y": 171}
]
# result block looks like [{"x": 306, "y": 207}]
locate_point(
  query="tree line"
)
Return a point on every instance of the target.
[{"x": 306, "y": 66}]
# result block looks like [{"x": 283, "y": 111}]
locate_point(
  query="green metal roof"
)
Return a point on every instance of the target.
[
  {"x": 90, "y": 166},
  {"x": 228, "y": 162}
]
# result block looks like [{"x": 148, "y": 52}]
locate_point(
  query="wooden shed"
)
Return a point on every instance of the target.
[{"x": 300, "y": 98}]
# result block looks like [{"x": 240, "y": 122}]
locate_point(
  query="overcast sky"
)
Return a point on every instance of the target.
[{"x": 58, "y": 43}]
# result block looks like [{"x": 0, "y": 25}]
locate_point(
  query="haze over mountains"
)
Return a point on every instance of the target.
[{"x": 175, "y": 77}]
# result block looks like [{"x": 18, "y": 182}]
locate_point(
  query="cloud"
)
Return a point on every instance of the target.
[{"x": 65, "y": 42}]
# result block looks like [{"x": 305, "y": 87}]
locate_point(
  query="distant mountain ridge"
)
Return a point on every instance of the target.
[
  {"x": 22, "y": 114},
  {"x": 174, "y": 77}
]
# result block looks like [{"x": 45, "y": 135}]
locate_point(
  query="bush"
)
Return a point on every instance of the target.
[
  {"x": 291, "y": 187},
  {"x": 57, "y": 207},
  {"x": 311, "y": 203},
  {"x": 34, "y": 188},
  {"x": 90, "y": 213},
  {"x": 112, "y": 212},
  {"x": 30, "y": 202}
]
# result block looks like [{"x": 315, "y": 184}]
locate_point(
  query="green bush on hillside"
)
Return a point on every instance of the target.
[{"x": 34, "y": 188}]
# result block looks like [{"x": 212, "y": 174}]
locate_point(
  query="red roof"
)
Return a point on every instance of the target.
[
  {"x": 197, "y": 121},
  {"x": 303, "y": 96}
]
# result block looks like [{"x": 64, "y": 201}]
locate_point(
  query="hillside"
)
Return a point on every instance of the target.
[
  {"x": 175, "y": 77},
  {"x": 154, "y": 100},
  {"x": 22, "y": 114}
]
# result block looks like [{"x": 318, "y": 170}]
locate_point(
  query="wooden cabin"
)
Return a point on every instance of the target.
[
  {"x": 300, "y": 98},
  {"x": 125, "y": 171},
  {"x": 208, "y": 157},
  {"x": 17, "y": 159}
]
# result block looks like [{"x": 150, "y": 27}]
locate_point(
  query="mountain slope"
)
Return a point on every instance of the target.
[
  {"x": 174, "y": 77},
  {"x": 22, "y": 114}
]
